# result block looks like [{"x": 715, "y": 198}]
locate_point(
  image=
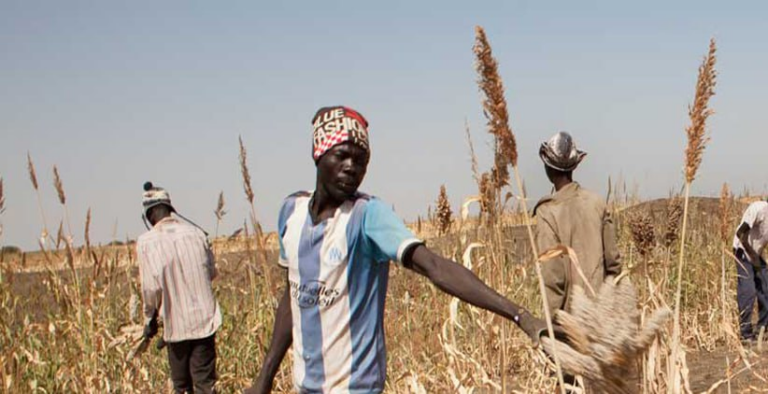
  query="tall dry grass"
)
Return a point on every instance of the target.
[
  {"x": 55, "y": 339},
  {"x": 697, "y": 141},
  {"x": 62, "y": 196},
  {"x": 259, "y": 258},
  {"x": 219, "y": 212},
  {"x": 495, "y": 110},
  {"x": 33, "y": 178}
]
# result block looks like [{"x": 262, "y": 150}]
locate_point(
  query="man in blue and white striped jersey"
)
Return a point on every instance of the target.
[{"x": 336, "y": 244}]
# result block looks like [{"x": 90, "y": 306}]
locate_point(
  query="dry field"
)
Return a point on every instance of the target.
[{"x": 60, "y": 335}]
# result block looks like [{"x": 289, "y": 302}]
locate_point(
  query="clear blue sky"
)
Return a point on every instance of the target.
[{"x": 116, "y": 93}]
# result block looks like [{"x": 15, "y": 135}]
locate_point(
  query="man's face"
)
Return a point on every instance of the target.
[{"x": 341, "y": 170}]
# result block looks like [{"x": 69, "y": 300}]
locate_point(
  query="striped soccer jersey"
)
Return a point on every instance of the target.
[{"x": 337, "y": 274}]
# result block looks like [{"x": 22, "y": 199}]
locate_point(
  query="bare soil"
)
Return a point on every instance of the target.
[{"x": 709, "y": 368}]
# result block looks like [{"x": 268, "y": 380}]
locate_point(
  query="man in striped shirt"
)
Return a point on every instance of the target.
[
  {"x": 336, "y": 244},
  {"x": 176, "y": 268}
]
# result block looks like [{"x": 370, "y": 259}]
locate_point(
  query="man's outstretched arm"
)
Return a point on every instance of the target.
[
  {"x": 456, "y": 280},
  {"x": 282, "y": 336}
]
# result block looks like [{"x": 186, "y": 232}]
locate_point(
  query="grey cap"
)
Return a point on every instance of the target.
[{"x": 560, "y": 153}]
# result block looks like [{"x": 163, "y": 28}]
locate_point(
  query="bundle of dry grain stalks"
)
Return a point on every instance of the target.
[{"x": 604, "y": 336}]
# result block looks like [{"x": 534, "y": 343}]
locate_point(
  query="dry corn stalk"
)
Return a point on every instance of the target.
[{"x": 605, "y": 337}]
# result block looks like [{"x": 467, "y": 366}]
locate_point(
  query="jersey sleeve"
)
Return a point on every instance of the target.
[
  {"x": 282, "y": 222},
  {"x": 386, "y": 233}
]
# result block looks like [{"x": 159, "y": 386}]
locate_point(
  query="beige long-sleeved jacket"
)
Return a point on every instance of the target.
[{"x": 577, "y": 218}]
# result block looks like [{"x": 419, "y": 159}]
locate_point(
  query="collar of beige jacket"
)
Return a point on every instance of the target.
[{"x": 567, "y": 189}]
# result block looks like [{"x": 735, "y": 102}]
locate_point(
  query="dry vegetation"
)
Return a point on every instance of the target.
[
  {"x": 69, "y": 325},
  {"x": 58, "y": 338}
]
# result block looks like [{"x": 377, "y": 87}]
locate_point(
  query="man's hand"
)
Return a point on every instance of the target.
[
  {"x": 150, "y": 330},
  {"x": 533, "y": 326},
  {"x": 536, "y": 328}
]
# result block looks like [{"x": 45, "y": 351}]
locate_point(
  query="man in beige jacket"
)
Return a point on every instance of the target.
[{"x": 574, "y": 217}]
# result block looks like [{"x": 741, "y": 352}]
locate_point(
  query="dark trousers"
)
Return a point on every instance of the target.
[
  {"x": 193, "y": 365},
  {"x": 752, "y": 285}
]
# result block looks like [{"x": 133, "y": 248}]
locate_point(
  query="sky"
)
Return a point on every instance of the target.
[{"x": 119, "y": 93}]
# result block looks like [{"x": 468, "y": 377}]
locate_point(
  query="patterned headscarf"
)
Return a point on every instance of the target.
[
  {"x": 560, "y": 153},
  {"x": 154, "y": 196},
  {"x": 335, "y": 125}
]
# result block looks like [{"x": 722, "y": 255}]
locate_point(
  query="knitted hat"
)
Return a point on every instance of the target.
[
  {"x": 560, "y": 153},
  {"x": 335, "y": 125},
  {"x": 154, "y": 196}
]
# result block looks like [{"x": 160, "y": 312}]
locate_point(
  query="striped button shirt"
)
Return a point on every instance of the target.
[
  {"x": 176, "y": 268},
  {"x": 337, "y": 273}
]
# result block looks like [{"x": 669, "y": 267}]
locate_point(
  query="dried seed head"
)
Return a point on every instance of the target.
[
  {"x": 443, "y": 213},
  {"x": 246, "y": 174},
  {"x": 674, "y": 219},
  {"x": 2, "y": 197},
  {"x": 59, "y": 186},
  {"x": 495, "y": 107},
  {"x": 88, "y": 228},
  {"x": 220, "y": 212},
  {"x": 699, "y": 112},
  {"x": 472, "y": 156},
  {"x": 487, "y": 191},
  {"x": 641, "y": 227},
  {"x": 60, "y": 234},
  {"x": 32, "y": 173},
  {"x": 726, "y": 201}
]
